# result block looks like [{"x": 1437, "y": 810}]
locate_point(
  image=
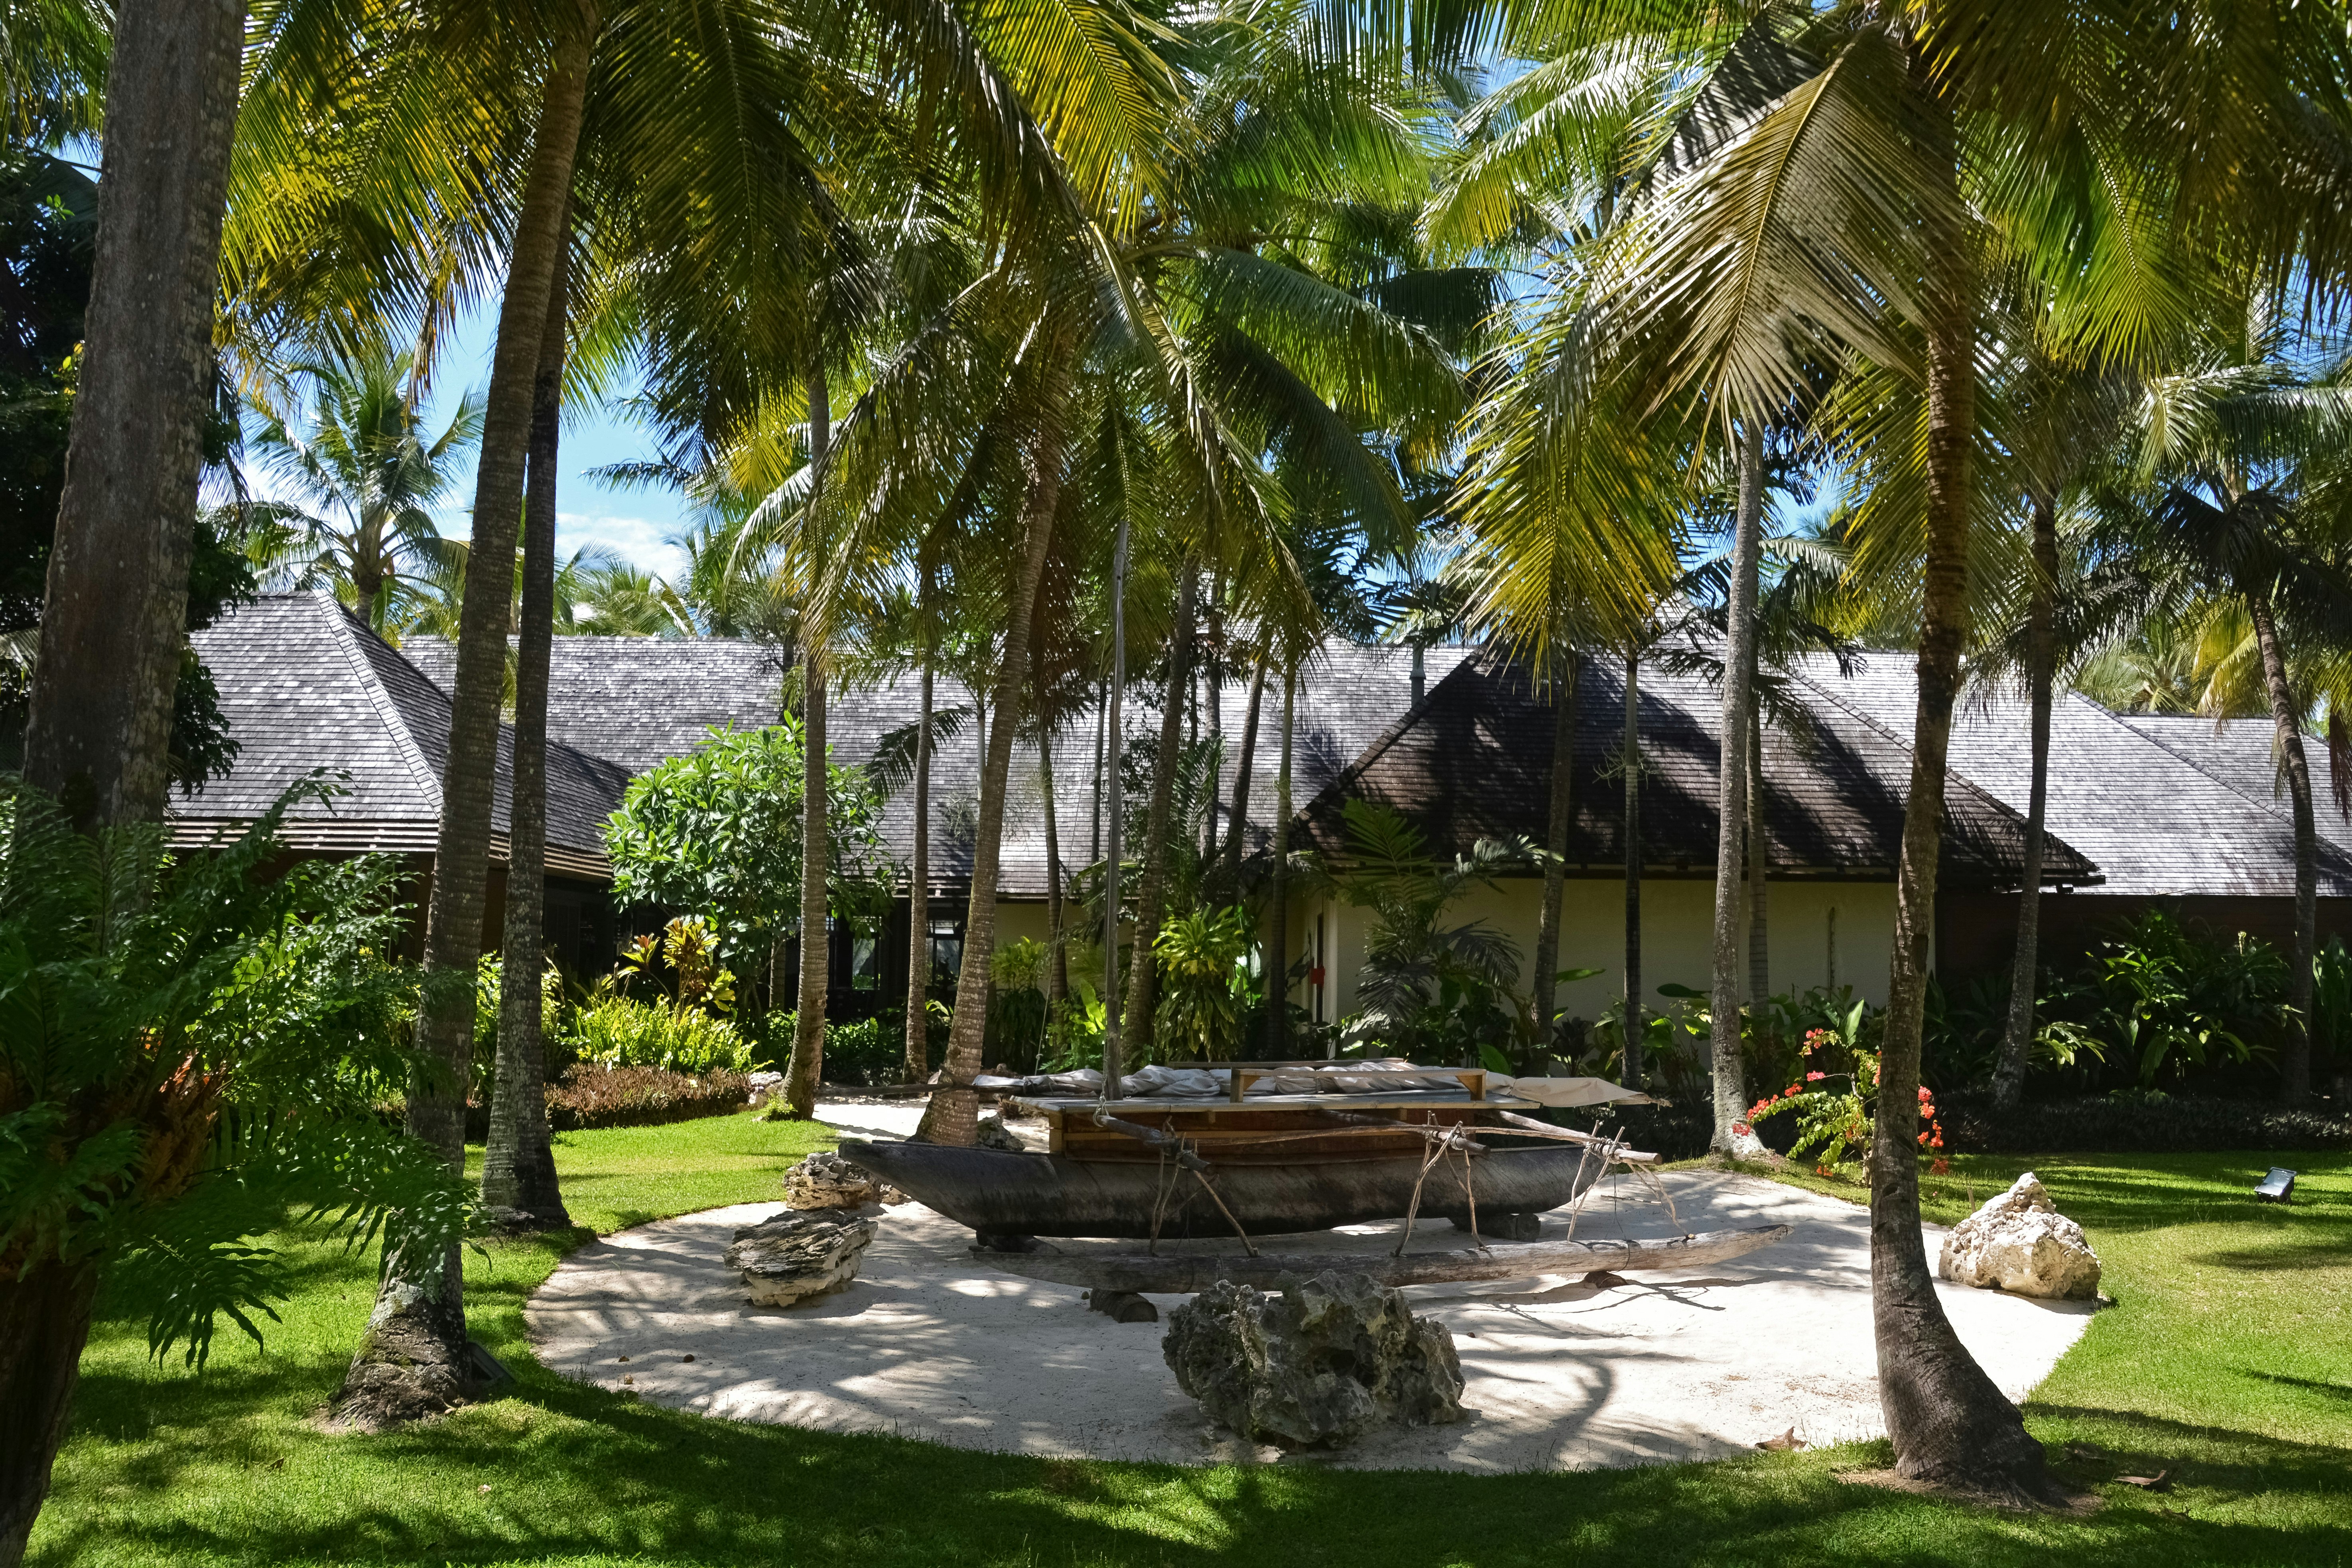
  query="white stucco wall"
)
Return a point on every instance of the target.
[{"x": 1678, "y": 937}]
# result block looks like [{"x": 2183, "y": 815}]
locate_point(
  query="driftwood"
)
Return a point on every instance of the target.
[
  {"x": 1530, "y": 1127},
  {"x": 1184, "y": 1273}
]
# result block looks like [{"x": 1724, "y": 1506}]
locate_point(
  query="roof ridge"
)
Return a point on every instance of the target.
[
  {"x": 2268, "y": 806},
  {"x": 1951, "y": 770},
  {"x": 347, "y": 629},
  {"x": 1392, "y": 735}
]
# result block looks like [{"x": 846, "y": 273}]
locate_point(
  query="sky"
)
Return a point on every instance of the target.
[{"x": 634, "y": 525}]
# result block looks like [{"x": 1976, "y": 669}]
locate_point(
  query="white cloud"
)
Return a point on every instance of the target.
[{"x": 636, "y": 540}]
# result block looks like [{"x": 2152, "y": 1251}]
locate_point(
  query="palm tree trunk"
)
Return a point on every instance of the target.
[
  {"x": 1113, "y": 1053},
  {"x": 1556, "y": 826},
  {"x": 519, "y": 1155},
  {"x": 918, "y": 875},
  {"x": 411, "y": 1360},
  {"x": 1058, "y": 957},
  {"x": 953, "y": 1116},
  {"x": 1731, "y": 793},
  {"x": 2024, "y": 968},
  {"x": 2294, "y": 1063},
  {"x": 1759, "y": 865},
  {"x": 1277, "y": 962},
  {"x": 1237, "y": 821},
  {"x": 807, "y": 1066},
  {"x": 1215, "y": 678},
  {"x": 1102, "y": 729},
  {"x": 1143, "y": 975},
  {"x": 1951, "y": 1425},
  {"x": 1632, "y": 1074},
  {"x": 114, "y": 619}
]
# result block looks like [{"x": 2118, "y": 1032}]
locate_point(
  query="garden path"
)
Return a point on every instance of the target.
[{"x": 1560, "y": 1374}]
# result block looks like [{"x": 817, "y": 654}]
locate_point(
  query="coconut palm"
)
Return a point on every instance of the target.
[
  {"x": 1801, "y": 202},
  {"x": 361, "y": 484}
]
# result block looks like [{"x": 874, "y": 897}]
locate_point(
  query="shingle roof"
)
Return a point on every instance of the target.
[
  {"x": 640, "y": 700},
  {"x": 304, "y": 684},
  {"x": 2167, "y": 806},
  {"x": 1474, "y": 761}
]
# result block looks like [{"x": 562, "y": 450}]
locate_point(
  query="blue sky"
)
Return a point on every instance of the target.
[{"x": 632, "y": 524}]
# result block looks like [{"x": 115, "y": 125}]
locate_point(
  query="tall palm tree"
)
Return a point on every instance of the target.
[
  {"x": 112, "y": 619},
  {"x": 367, "y": 475}
]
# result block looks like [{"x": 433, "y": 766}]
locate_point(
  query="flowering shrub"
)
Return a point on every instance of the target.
[{"x": 1835, "y": 1121}]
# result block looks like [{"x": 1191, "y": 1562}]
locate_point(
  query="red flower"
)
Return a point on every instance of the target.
[
  {"x": 1815, "y": 1076},
  {"x": 1940, "y": 1168},
  {"x": 1742, "y": 1129},
  {"x": 1923, "y": 1095},
  {"x": 1923, "y": 1138},
  {"x": 1790, "y": 1093}
]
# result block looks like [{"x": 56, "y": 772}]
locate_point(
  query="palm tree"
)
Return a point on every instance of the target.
[
  {"x": 1810, "y": 209},
  {"x": 2240, "y": 455},
  {"x": 112, "y": 619},
  {"x": 367, "y": 475}
]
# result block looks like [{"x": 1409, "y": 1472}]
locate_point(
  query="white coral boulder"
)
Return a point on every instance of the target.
[{"x": 2021, "y": 1243}]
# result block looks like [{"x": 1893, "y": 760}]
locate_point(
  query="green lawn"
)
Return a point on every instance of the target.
[{"x": 2228, "y": 1361}]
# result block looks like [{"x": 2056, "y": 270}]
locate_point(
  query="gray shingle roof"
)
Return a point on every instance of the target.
[
  {"x": 304, "y": 684},
  {"x": 2167, "y": 806},
  {"x": 1474, "y": 761}
]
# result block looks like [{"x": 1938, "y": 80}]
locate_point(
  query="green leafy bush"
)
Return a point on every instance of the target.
[
  {"x": 860, "y": 1052},
  {"x": 1206, "y": 985},
  {"x": 622, "y": 1032}
]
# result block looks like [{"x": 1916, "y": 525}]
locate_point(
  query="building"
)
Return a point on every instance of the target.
[{"x": 2143, "y": 811}]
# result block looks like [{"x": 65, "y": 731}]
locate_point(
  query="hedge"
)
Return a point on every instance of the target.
[{"x": 588, "y": 1096}]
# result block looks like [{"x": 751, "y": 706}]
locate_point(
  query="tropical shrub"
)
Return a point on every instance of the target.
[
  {"x": 680, "y": 965},
  {"x": 717, "y": 833},
  {"x": 1429, "y": 990},
  {"x": 1836, "y": 1121},
  {"x": 191, "y": 1051},
  {"x": 621, "y": 1031},
  {"x": 1205, "y": 987},
  {"x": 1015, "y": 1032},
  {"x": 2165, "y": 1002},
  {"x": 589, "y": 1095}
]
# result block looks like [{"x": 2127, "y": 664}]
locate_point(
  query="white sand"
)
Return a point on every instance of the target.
[{"x": 928, "y": 1344}]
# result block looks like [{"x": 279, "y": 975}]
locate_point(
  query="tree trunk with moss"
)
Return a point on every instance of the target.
[{"x": 411, "y": 1361}]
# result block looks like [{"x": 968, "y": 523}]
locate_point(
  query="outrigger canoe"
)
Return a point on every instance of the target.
[{"x": 1244, "y": 1159}]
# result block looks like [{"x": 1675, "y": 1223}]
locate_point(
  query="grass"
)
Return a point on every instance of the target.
[{"x": 2228, "y": 1361}]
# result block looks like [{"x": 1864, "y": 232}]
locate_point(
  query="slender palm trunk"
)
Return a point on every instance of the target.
[
  {"x": 1057, "y": 956},
  {"x": 807, "y": 1066},
  {"x": 2024, "y": 968},
  {"x": 1214, "y": 701},
  {"x": 1237, "y": 821},
  {"x": 1277, "y": 962},
  {"x": 1556, "y": 826},
  {"x": 1731, "y": 790},
  {"x": 1632, "y": 1074},
  {"x": 1114, "y": 852},
  {"x": 114, "y": 620},
  {"x": 1095, "y": 823},
  {"x": 953, "y": 1116},
  {"x": 2295, "y": 1062},
  {"x": 1951, "y": 1425},
  {"x": 1759, "y": 865},
  {"x": 918, "y": 875},
  {"x": 1143, "y": 975},
  {"x": 518, "y": 1156},
  {"x": 411, "y": 1360}
]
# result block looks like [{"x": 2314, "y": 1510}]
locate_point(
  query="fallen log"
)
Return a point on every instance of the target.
[{"x": 1179, "y": 1274}]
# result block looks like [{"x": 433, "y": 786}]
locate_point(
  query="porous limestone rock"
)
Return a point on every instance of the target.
[
  {"x": 991, "y": 1133},
  {"x": 1321, "y": 1363},
  {"x": 796, "y": 1256},
  {"x": 2021, "y": 1243},
  {"x": 827, "y": 1180}
]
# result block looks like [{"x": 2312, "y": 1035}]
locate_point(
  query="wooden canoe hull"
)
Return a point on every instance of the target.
[
  {"x": 1000, "y": 1193},
  {"x": 1179, "y": 1274}
]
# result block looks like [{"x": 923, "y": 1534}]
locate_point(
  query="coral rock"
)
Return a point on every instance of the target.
[
  {"x": 2021, "y": 1243},
  {"x": 1322, "y": 1363},
  {"x": 827, "y": 1181},
  {"x": 796, "y": 1256}
]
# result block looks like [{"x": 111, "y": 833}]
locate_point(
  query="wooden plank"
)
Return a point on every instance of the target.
[{"x": 1179, "y": 1274}]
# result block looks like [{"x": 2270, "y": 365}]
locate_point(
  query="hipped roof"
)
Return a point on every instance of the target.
[
  {"x": 1475, "y": 761},
  {"x": 304, "y": 684}
]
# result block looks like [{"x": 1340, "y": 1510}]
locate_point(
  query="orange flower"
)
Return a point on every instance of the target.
[{"x": 1815, "y": 1076}]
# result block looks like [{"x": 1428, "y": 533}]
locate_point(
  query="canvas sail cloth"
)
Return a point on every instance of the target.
[{"x": 1387, "y": 1077}]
